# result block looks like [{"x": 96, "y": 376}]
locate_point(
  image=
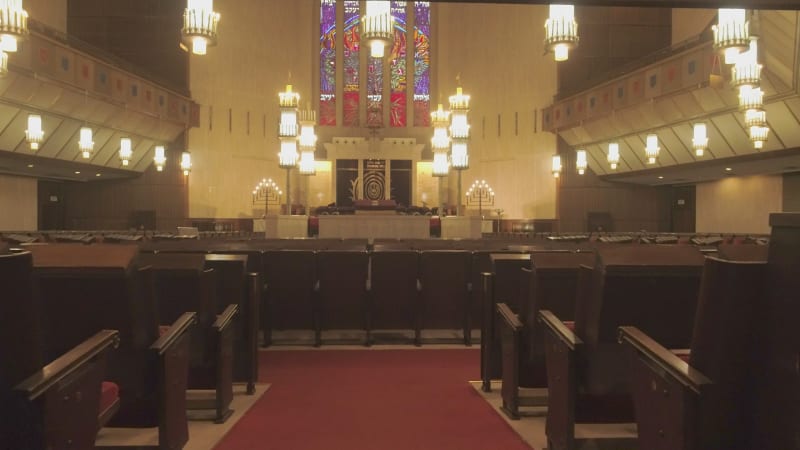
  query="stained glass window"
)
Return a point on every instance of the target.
[
  {"x": 327, "y": 63},
  {"x": 374, "y": 92},
  {"x": 422, "y": 64},
  {"x": 397, "y": 113},
  {"x": 352, "y": 44}
]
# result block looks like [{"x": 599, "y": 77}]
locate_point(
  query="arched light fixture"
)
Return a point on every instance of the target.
[
  {"x": 160, "y": 158},
  {"x": 186, "y": 162},
  {"x": 13, "y": 24},
  {"x": 34, "y": 134},
  {"x": 85, "y": 142},
  {"x": 561, "y": 31},
  {"x": 308, "y": 142},
  {"x": 731, "y": 33},
  {"x": 125, "y": 150},
  {"x": 556, "y": 167},
  {"x": 652, "y": 148},
  {"x": 377, "y": 27},
  {"x": 581, "y": 162},
  {"x": 613, "y": 155},
  {"x": 200, "y": 25},
  {"x": 700, "y": 138}
]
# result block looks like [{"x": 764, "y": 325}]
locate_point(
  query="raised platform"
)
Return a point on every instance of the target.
[
  {"x": 282, "y": 227},
  {"x": 378, "y": 226}
]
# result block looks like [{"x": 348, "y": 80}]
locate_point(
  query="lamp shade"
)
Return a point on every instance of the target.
[
  {"x": 581, "y": 162},
  {"x": 125, "y": 151},
  {"x": 34, "y": 134},
  {"x": 377, "y": 27},
  {"x": 700, "y": 138},
  {"x": 85, "y": 142},
  {"x": 186, "y": 162},
  {"x": 561, "y": 31},
  {"x": 613, "y": 155},
  {"x": 160, "y": 158},
  {"x": 651, "y": 149},
  {"x": 200, "y": 24}
]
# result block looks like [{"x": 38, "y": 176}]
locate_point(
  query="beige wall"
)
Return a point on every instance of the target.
[
  {"x": 502, "y": 67},
  {"x": 18, "y": 201},
  {"x": 689, "y": 22},
  {"x": 738, "y": 204},
  {"x": 52, "y": 13}
]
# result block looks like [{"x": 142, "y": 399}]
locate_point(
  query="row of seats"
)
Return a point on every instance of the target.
[{"x": 595, "y": 329}]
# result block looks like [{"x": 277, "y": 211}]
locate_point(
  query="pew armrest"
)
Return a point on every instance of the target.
[
  {"x": 224, "y": 320},
  {"x": 664, "y": 360},
  {"x": 559, "y": 329},
  {"x": 509, "y": 317},
  {"x": 174, "y": 332},
  {"x": 67, "y": 364}
]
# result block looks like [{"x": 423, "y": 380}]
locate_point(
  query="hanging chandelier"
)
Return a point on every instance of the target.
[
  {"x": 700, "y": 139},
  {"x": 85, "y": 142},
  {"x": 441, "y": 166},
  {"x": 13, "y": 24},
  {"x": 160, "y": 158},
  {"x": 308, "y": 142},
  {"x": 377, "y": 27},
  {"x": 561, "y": 31},
  {"x": 186, "y": 163},
  {"x": 750, "y": 99},
  {"x": 756, "y": 121},
  {"x": 125, "y": 151},
  {"x": 556, "y": 167},
  {"x": 581, "y": 162},
  {"x": 613, "y": 155},
  {"x": 652, "y": 148},
  {"x": 34, "y": 134},
  {"x": 200, "y": 25},
  {"x": 746, "y": 72},
  {"x": 731, "y": 33}
]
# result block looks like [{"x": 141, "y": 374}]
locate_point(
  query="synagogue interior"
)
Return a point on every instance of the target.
[{"x": 225, "y": 224}]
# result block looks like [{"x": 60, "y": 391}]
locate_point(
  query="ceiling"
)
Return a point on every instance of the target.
[
  {"x": 65, "y": 107},
  {"x": 671, "y": 117}
]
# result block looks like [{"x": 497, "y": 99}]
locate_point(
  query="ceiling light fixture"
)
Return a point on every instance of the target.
[
  {"x": 200, "y": 25},
  {"x": 377, "y": 27},
  {"x": 731, "y": 33},
  {"x": 613, "y": 155},
  {"x": 561, "y": 31},
  {"x": 652, "y": 148},
  {"x": 160, "y": 158},
  {"x": 85, "y": 142},
  {"x": 186, "y": 163},
  {"x": 581, "y": 162},
  {"x": 556, "y": 167},
  {"x": 13, "y": 24},
  {"x": 700, "y": 139},
  {"x": 34, "y": 134},
  {"x": 125, "y": 151}
]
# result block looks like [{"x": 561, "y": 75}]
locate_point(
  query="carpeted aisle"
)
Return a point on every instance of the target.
[{"x": 371, "y": 399}]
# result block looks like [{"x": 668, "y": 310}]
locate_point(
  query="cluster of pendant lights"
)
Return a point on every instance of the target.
[
  {"x": 200, "y": 25},
  {"x": 294, "y": 132},
  {"x": 737, "y": 39},
  {"x": 34, "y": 135}
]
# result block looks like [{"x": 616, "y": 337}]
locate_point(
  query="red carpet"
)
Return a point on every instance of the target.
[{"x": 377, "y": 400}]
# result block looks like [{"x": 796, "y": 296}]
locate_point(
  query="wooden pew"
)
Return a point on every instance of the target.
[
  {"x": 149, "y": 368},
  {"x": 342, "y": 291},
  {"x": 46, "y": 404},
  {"x": 707, "y": 403},
  {"x": 743, "y": 252},
  {"x": 235, "y": 285},
  {"x": 183, "y": 284},
  {"x": 504, "y": 287},
  {"x": 289, "y": 278},
  {"x": 651, "y": 287},
  {"x": 445, "y": 295},
  {"x": 394, "y": 291},
  {"x": 552, "y": 284}
]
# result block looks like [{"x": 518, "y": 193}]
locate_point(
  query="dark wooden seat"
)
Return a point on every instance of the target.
[
  {"x": 46, "y": 404},
  {"x": 651, "y": 287},
  {"x": 506, "y": 270},
  {"x": 394, "y": 291},
  {"x": 150, "y": 369},
  {"x": 743, "y": 252},
  {"x": 445, "y": 296},
  {"x": 183, "y": 284},
  {"x": 235, "y": 285},
  {"x": 342, "y": 291},
  {"x": 707, "y": 403},
  {"x": 552, "y": 283},
  {"x": 289, "y": 277}
]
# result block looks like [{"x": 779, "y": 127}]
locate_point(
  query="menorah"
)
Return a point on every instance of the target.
[
  {"x": 480, "y": 193},
  {"x": 267, "y": 191}
]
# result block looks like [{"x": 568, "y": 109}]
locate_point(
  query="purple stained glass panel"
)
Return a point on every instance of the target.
[
  {"x": 422, "y": 64},
  {"x": 327, "y": 63},
  {"x": 352, "y": 46},
  {"x": 374, "y": 92},
  {"x": 397, "y": 70}
]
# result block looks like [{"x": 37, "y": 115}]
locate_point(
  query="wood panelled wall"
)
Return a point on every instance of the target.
[
  {"x": 610, "y": 38},
  {"x": 147, "y": 33}
]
